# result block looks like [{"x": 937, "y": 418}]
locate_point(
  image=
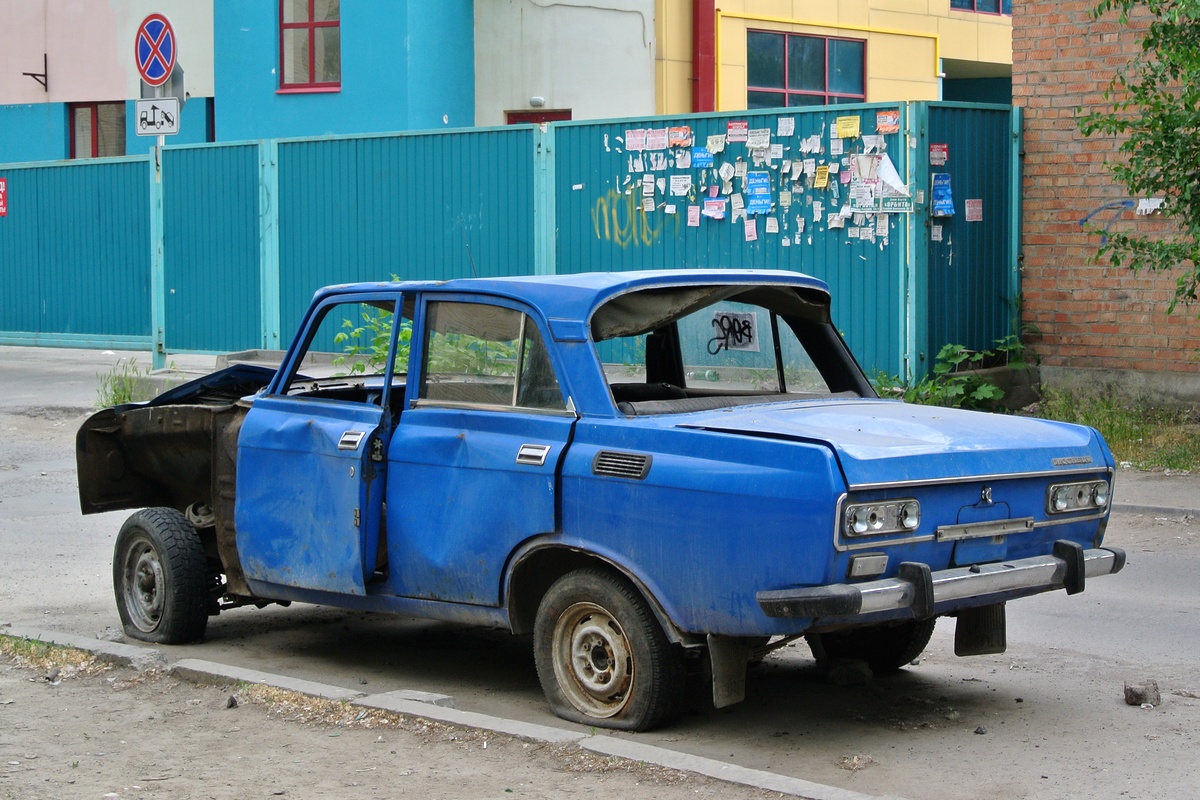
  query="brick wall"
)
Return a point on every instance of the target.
[{"x": 1086, "y": 316}]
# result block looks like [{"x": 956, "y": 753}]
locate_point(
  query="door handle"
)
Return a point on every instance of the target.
[
  {"x": 351, "y": 440},
  {"x": 533, "y": 455}
]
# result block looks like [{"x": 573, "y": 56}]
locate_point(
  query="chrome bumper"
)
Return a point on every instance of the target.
[{"x": 927, "y": 593}]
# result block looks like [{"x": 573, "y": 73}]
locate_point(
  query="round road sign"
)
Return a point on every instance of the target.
[{"x": 155, "y": 49}]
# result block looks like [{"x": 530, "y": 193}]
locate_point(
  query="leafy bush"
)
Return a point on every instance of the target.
[{"x": 955, "y": 381}]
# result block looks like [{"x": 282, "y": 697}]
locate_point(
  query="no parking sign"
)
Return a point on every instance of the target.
[{"x": 155, "y": 49}]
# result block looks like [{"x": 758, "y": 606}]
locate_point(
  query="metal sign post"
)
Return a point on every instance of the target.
[{"x": 155, "y": 50}]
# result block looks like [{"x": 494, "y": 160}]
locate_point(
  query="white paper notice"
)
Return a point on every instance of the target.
[
  {"x": 776, "y": 152},
  {"x": 787, "y": 126},
  {"x": 680, "y": 185},
  {"x": 669, "y": 208},
  {"x": 758, "y": 139},
  {"x": 818, "y": 211},
  {"x": 647, "y": 186},
  {"x": 837, "y": 221},
  {"x": 772, "y": 225},
  {"x": 726, "y": 171},
  {"x": 716, "y": 143},
  {"x": 835, "y": 147},
  {"x": 751, "y": 229},
  {"x": 935, "y": 233}
]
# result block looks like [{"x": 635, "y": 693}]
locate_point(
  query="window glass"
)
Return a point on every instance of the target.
[
  {"x": 310, "y": 43},
  {"x": 845, "y": 66},
  {"x": 295, "y": 55},
  {"x": 807, "y": 100},
  {"x": 327, "y": 50},
  {"x": 98, "y": 130},
  {"x": 81, "y": 128},
  {"x": 806, "y": 63},
  {"x": 295, "y": 11},
  {"x": 486, "y": 355},
  {"x": 724, "y": 347},
  {"x": 756, "y": 99},
  {"x": 812, "y": 70},
  {"x": 764, "y": 56},
  {"x": 346, "y": 357}
]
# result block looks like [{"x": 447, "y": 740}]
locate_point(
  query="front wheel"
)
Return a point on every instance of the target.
[
  {"x": 160, "y": 578},
  {"x": 602, "y": 658},
  {"x": 886, "y": 647}
]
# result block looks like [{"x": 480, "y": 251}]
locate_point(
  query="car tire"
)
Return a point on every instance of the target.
[
  {"x": 886, "y": 648},
  {"x": 160, "y": 578},
  {"x": 602, "y": 657}
]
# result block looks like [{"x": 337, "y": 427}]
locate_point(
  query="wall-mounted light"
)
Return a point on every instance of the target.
[{"x": 537, "y": 102}]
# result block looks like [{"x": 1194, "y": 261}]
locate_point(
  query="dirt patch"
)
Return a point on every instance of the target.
[{"x": 72, "y": 726}]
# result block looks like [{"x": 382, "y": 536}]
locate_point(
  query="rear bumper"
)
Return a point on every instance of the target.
[{"x": 926, "y": 594}]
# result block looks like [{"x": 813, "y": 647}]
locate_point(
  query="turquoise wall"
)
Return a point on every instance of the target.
[
  {"x": 41, "y": 132},
  {"x": 419, "y": 76},
  {"x": 35, "y": 132}
]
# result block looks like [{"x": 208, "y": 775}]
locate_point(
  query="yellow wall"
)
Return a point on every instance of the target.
[{"x": 904, "y": 40}]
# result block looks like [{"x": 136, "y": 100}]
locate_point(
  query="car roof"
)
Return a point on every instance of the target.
[{"x": 576, "y": 296}]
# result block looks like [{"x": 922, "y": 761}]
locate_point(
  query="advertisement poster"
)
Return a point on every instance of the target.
[
  {"x": 887, "y": 121},
  {"x": 939, "y": 154},
  {"x": 3, "y": 197},
  {"x": 943, "y": 200}
]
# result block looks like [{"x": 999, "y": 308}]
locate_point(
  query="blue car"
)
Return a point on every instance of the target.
[{"x": 658, "y": 475}]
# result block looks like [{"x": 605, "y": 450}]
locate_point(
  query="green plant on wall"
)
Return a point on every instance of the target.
[
  {"x": 1152, "y": 108},
  {"x": 955, "y": 381}
]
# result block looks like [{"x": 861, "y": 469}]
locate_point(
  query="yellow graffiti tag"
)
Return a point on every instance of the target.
[{"x": 618, "y": 217}]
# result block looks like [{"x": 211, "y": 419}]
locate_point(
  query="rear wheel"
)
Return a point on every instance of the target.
[
  {"x": 886, "y": 648},
  {"x": 160, "y": 578},
  {"x": 602, "y": 658}
]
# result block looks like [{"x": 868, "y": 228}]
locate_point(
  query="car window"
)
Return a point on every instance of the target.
[
  {"x": 487, "y": 355},
  {"x": 349, "y": 347}
]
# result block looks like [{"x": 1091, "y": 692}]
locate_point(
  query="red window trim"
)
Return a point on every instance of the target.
[
  {"x": 826, "y": 95},
  {"x": 310, "y": 25}
]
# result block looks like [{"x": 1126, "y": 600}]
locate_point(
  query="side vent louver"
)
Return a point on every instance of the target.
[{"x": 621, "y": 465}]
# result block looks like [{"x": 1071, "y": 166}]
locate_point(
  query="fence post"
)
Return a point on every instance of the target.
[
  {"x": 268, "y": 242},
  {"x": 545, "y": 224},
  {"x": 158, "y": 298},
  {"x": 917, "y": 311},
  {"x": 1014, "y": 229}
]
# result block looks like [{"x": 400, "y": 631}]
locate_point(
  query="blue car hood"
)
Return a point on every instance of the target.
[{"x": 886, "y": 441}]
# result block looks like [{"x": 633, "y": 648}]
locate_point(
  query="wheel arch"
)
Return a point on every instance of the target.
[{"x": 540, "y": 564}]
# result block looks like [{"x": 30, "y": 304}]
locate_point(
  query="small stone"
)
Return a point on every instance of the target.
[
  {"x": 981, "y": 730},
  {"x": 232, "y": 702},
  {"x": 111, "y": 634},
  {"x": 1143, "y": 694}
]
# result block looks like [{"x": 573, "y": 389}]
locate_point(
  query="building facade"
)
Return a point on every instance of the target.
[
  {"x": 285, "y": 68},
  {"x": 1091, "y": 324},
  {"x": 68, "y": 76}
]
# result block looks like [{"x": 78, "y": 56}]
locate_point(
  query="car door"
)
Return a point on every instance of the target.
[
  {"x": 311, "y": 465},
  {"x": 473, "y": 460}
]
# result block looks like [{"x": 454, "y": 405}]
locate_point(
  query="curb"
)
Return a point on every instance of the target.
[
  {"x": 439, "y": 707},
  {"x": 1155, "y": 511}
]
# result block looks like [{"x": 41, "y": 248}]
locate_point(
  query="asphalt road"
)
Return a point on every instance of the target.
[{"x": 1046, "y": 719}]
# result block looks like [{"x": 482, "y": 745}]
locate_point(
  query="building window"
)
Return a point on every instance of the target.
[
  {"x": 983, "y": 6},
  {"x": 97, "y": 130},
  {"x": 310, "y": 44},
  {"x": 793, "y": 70}
]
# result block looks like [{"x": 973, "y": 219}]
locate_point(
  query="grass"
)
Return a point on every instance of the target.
[
  {"x": 124, "y": 383},
  {"x": 1140, "y": 435},
  {"x": 42, "y": 656}
]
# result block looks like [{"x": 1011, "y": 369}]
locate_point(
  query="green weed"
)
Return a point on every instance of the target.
[{"x": 1141, "y": 435}]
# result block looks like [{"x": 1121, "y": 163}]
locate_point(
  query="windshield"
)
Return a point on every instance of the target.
[{"x": 741, "y": 344}]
